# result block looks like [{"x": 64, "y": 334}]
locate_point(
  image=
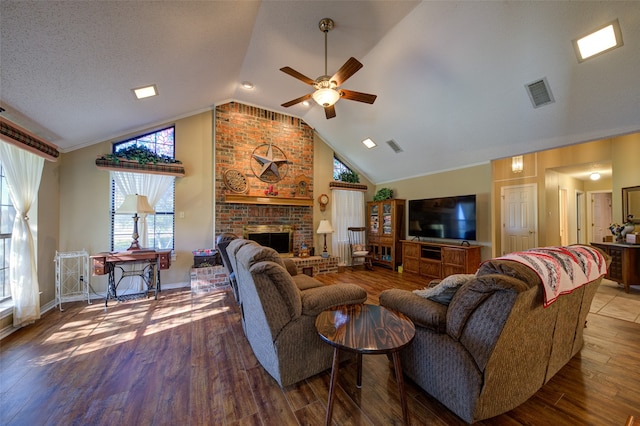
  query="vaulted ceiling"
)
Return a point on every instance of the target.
[{"x": 450, "y": 76}]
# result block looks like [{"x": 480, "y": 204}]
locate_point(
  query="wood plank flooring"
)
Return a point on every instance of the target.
[{"x": 184, "y": 360}]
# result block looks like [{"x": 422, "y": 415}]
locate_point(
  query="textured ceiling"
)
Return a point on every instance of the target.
[{"x": 450, "y": 76}]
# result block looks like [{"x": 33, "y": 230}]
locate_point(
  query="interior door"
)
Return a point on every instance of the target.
[
  {"x": 563, "y": 198},
  {"x": 581, "y": 237},
  {"x": 600, "y": 215},
  {"x": 519, "y": 218}
]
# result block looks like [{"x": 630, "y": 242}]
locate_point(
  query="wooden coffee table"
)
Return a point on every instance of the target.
[{"x": 365, "y": 329}]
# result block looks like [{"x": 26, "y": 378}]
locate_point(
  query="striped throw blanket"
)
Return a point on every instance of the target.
[{"x": 562, "y": 269}]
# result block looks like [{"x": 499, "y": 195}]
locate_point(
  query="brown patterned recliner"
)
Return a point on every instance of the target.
[
  {"x": 279, "y": 316},
  {"x": 495, "y": 344}
]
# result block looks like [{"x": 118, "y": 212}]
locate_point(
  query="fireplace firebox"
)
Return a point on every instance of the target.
[{"x": 278, "y": 237}]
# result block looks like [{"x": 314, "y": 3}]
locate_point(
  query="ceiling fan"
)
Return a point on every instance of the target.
[{"x": 328, "y": 90}]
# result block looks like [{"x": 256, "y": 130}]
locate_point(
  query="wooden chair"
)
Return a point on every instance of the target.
[{"x": 358, "y": 247}]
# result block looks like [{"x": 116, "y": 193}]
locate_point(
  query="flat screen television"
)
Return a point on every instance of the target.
[{"x": 445, "y": 217}]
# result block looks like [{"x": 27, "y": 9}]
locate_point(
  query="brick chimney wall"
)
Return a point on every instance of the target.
[{"x": 239, "y": 130}]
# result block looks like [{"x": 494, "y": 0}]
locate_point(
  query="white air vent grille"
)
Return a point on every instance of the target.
[
  {"x": 394, "y": 146},
  {"x": 540, "y": 93}
]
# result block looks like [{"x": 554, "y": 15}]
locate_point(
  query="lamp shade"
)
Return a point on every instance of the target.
[
  {"x": 326, "y": 97},
  {"x": 324, "y": 227},
  {"x": 135, "y": 203}
]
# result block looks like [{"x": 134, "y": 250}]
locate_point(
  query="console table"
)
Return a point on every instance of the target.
[
  {"x": 146, "y": 264},
  {"x": 625, "y": 263}
]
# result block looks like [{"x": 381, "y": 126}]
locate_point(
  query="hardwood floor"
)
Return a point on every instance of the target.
[{"x": 184, "y": 360}]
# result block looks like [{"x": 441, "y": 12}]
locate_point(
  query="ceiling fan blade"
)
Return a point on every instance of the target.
[
  {"x": 348, "y": 69},
  {"x": 357, "y": 96},
  {"x": 296, "y": 101},
  {"x": 330, "y": 111},
  {"x": 295, "y": 74}
]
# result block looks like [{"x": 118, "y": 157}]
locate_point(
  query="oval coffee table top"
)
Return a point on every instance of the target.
[{"x": 366, "y": 329}]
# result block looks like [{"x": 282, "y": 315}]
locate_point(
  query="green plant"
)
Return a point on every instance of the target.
[
  {"x": 141, "y": 154},
  {"x": 383, "y": 194},
  {"x": 349, "y": 176}
]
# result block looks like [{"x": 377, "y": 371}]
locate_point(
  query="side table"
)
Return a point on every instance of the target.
[{"x": 365, "y": 329}]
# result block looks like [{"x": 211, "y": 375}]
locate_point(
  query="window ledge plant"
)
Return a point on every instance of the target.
[{"x": 140, "y": 159}]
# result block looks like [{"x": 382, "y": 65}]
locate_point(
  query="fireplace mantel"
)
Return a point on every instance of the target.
[{"x": 274, "y": 201}]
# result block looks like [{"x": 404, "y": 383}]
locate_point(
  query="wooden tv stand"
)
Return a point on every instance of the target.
[{"x": 435, "y": 260}]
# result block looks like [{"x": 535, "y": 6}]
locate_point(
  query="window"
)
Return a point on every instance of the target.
[
  {"x": 7, "y": 216},
  {"x": 161, "y": 225},
  {"x": 339, "y": 167}
]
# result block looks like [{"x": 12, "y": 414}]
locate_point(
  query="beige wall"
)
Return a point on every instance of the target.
[
  {"x": 465, "y": 181},
  {"x": 625, "y": 156},
  {"x": 48, "y": 229},
  {"x": 85, "y": 198},
  {"x": 74, "y": 197},
  {"x": 622, "y": 152},
  {"x": 322, "y": 176}
]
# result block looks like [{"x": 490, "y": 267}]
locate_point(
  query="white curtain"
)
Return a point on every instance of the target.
[
  {"x": 151, "y": 185},
  {"x": 347, "y": 210},
  {"x": 23, "y": 171}
]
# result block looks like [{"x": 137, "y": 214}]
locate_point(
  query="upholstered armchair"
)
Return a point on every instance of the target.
[{"x": 279, "y": 317}]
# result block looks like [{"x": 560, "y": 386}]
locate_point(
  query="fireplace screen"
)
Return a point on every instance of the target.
[{"x": 278, "y": 237}]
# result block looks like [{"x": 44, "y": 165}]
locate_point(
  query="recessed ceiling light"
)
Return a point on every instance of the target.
[
  {"x": 145, "y": 92},
  {"x": 594, "y": 176},
  {"x": 369, "y": 143},
  {"x": 306, "y": 103},
  {"x": 247, "y": 85},
  {"x": 601, "y": 40}
]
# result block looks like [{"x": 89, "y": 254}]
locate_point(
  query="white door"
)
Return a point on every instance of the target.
[
  {"x": 564, "y": 216},
  {"x": 580, "y": 219},
  {"x": 519, "y": 218},
  {"x": 600, "y": 215}
]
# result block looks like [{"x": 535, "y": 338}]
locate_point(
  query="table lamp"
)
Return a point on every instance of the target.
[
  {"x": 324, "y": 228},
  {"x": 135, "y": 204}
]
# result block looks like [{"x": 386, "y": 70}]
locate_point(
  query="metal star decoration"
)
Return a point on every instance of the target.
[{"x": 270, "y": 164}]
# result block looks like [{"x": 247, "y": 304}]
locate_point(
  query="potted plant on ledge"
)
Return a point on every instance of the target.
[
  {"x": 348, "y": 179},
  {"x": 140, "y": 159}
]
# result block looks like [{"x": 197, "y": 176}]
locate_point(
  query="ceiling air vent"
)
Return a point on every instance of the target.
[
  {"x": 540, "y": 93},
  {"x": 394, "y": 146}
]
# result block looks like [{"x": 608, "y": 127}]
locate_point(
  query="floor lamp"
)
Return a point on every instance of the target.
[
  {"x": 135, "y": 204},
  {"x": 325, "y": 228}
]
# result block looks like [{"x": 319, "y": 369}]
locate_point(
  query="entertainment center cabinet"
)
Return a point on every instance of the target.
[
  {"x": 436, "y": 261},
  {"x": 386, "y": 227}
]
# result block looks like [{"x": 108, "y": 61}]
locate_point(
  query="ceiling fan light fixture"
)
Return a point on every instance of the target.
[{"x": 326, "y": 97}]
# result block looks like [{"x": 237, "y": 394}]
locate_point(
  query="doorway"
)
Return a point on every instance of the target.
[
  {"x": 519, "y": 217},
  {"x": 581, "y": 237},
  {"x": 563, "y": 200},
  {"x": 599, "y": 215}
]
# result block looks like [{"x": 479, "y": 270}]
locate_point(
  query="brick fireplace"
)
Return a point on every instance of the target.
[{"x": 239, "y": 129}]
